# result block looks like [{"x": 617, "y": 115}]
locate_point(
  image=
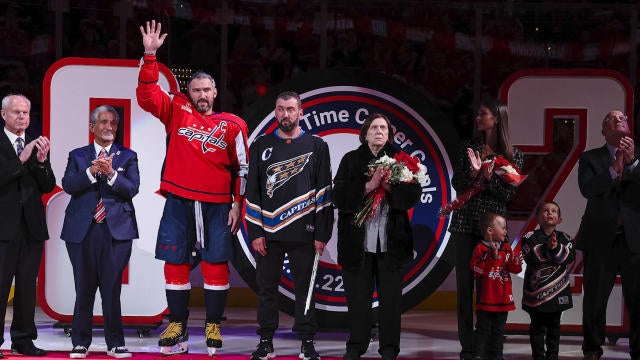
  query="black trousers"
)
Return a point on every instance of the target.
[
  {"x": 268, "y": 273},
  {"x": 545, "y": 330},
  {"x": 488, "y": 339},
  {"x": 464, "y": 244},
  {"x": 98, "y": 262},
  {"x": 20, "y": 258},
  {"x": 600, "y": 272},
  {"x": 387, "y": 273}
]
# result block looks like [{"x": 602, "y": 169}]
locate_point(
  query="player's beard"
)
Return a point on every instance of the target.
[
  {"x": 287, "y": 125},
  {"x": 202, "y": 106}
]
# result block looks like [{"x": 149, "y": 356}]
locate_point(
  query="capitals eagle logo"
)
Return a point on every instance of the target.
[{"x": 280, "y": 172}]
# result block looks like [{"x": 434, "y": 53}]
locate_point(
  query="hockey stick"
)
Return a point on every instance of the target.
[{"x": 312, "y": 283}]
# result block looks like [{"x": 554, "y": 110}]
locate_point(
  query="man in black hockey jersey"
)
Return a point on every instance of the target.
[{"x": 289, "y": 211}]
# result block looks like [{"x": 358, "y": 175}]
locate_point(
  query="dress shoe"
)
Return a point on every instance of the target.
[
  {"x": 79, "y": 352},
  {"x": 349, "y": 356},
  {"x": 389, "y": 355},
  {"x": 1, "y": 356},
  {"x": 591, "y": 356},
  {"x": 119, "y": 352},
  {"x": 29, "y": 350}
]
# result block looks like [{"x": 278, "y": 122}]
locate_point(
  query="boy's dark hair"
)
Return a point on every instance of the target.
[
  {"x": 542, "y": 204},
  {"x": 486, "y": 221}
]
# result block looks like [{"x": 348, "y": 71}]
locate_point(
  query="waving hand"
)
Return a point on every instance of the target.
[{"x": 151, "y": 37}]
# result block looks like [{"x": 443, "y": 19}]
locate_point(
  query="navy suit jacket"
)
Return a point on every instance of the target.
[
  {"x": 607, "y": 199},
  {"x": 21, "y": 189},
  {"x": 117, "y": 199}
]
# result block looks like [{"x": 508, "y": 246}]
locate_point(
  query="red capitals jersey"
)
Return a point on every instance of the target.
[
  {"x": 493, "y": 281},
  {"x": 207, "y": 157}
]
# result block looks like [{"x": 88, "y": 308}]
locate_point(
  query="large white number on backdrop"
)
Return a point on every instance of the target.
[
  {"x": 69, "y": 87},
  {"x": 534, "y": 98}
]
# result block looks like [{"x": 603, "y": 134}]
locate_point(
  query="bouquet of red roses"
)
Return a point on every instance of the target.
[
  {"x": 508, "y": 172},
  {"x": 401, "y": 168}
]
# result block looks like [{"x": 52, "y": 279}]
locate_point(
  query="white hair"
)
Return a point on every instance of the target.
[{"x": 6, "y": 99}]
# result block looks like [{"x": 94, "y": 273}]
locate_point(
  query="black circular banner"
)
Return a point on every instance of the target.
[{"x": 335, "y": 104}]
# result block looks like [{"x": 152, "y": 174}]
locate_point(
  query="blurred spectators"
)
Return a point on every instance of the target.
[
  {"x": 347, "y": 51},
  {"x": 13, "y": 38},
  {"x": 90, "y": 40},
  {"x": 428, "y": 46}
]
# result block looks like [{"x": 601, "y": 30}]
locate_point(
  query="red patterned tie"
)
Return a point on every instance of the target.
[
  {"x": 620, "y": 162},
  {"x": 100, "y": 213}
]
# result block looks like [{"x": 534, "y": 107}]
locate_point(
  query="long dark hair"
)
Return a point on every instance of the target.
[{"x": 500, "y": 111}]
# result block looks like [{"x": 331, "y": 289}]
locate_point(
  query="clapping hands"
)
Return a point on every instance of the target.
[
  {"x": 475, "y": 161},
  {"x": 41, "y": 144},
  {"x": 627, "y": 147},
  {"x": 102, "y": 166},
  {"x": 495, "y": 248},
  {"x": 552, "y": 241}
]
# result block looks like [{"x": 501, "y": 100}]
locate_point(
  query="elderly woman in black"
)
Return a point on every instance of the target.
[{"x": 379, "y": 248}]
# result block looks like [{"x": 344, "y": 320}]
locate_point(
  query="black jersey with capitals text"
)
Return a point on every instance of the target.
[
  {"x": 547, "y": 282},
  {"x": 289, "y": 189}
]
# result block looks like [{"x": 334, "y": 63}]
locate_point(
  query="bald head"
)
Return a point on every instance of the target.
[{"x": 615, "y": 127}]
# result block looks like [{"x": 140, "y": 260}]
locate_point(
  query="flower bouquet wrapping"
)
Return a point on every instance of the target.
[
  {"x": 508, "y": 172},
  {"x": 401, "y": 168}
]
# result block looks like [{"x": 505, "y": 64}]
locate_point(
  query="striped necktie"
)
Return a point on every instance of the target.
[
  {"x": 100, "y": 214},
  {"x": 19, "y": 145}
]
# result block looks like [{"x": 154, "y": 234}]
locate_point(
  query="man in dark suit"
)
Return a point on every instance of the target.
[
  {"x": 25, "y": 174},
  {"x": 99, "y": 225},
  {"x": 609, "y": 236}
]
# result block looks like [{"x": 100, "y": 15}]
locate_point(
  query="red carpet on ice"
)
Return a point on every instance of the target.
[{"x": 149, "y": 356}]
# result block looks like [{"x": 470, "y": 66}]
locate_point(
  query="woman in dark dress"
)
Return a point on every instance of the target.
[
  {"x": 377, "y": 250},
  {"x": 492, "y": 140}
]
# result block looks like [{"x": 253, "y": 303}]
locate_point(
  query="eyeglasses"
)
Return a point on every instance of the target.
[{"x": 617, "y": 117}]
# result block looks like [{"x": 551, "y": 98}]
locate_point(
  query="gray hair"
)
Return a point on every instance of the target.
[
  {"x": 5, "y": 100},
  {"x": 201, "y": 75},
  {"x": 102, "y": 108}
]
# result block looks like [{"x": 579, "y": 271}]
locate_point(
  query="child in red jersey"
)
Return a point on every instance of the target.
[{"x": 491, "y": 262}]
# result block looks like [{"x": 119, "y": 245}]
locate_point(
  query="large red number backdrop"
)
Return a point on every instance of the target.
[{"x": 554, "y": 116}]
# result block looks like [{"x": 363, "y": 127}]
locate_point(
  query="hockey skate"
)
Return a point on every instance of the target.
[
  {"x": 173, "y": 340},
  {"x": 213, "y": 336}
]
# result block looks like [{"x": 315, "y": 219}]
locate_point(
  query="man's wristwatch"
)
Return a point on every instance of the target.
[{"x": 631, "y": 162}]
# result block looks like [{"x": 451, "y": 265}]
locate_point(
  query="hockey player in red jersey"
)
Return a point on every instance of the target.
[{"x": 204, "y": 180}]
